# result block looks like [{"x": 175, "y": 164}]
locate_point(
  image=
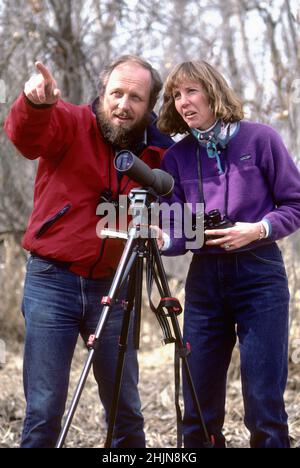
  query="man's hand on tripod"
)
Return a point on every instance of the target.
[
  {"x": 159, "y": 235},
  {"x": 42, "y": 88}
]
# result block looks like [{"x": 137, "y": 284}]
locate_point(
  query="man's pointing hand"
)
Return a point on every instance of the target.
[{"x": 42, "y": 88}]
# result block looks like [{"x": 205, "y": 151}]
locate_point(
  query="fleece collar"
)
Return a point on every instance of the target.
[{"x": 216, "y": 138}]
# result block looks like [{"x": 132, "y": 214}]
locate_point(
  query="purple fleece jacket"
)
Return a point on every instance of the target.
[{"x": 263, "y": 182}]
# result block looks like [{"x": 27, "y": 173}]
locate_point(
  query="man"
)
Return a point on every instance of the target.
[{"x": 70, "y": 268}]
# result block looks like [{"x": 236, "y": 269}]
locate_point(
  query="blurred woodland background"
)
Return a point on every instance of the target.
[{"x": 254, "y": 43}]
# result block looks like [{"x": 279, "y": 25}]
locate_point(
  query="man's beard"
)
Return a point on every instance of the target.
[{"x": 118, "y": 136}]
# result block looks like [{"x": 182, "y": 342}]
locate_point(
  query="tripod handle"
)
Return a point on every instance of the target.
[{"x": 172, "y": 304}]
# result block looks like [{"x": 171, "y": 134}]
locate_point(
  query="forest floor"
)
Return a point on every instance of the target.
[{"x": 156, "y": 388}]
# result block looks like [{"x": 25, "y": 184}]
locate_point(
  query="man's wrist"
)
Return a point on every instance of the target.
[{"x": 36, "y": 106}]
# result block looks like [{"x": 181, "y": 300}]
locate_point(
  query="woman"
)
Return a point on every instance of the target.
[{"x": 237, "y": 284}]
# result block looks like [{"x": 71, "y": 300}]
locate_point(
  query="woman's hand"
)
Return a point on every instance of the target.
[{"x": 238, "y": 236}]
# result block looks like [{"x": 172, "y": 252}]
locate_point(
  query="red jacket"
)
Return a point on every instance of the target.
[{"x": 75, "y": 166}]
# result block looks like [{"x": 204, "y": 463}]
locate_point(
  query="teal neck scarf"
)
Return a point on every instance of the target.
[{"x": 214, "y": 138}]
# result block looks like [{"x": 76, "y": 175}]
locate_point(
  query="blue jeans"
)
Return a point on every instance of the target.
[
  {"x": 58, "y": 306},
  {"x": 242, "y": 295}
]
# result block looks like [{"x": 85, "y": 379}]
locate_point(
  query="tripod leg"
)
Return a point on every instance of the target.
[
  {"x": 121, "y": 357},
  {"x": 138, "y": 301},
  {"x": 179, "y": 341},
  {"x": 115, "y": 287}
]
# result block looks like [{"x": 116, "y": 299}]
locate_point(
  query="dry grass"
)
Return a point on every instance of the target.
[
  {"x": 156, "y": 378},
  {"x": 156, "y": 388}
]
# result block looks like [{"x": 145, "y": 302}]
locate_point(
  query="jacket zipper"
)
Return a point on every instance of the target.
[
  {"x": 47, "y": 224},
  {"x": 93, "y": 267},
  {"x": 119, "y": 192}
]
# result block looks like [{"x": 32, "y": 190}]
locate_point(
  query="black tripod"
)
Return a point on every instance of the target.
[{"x": 140, "y": 245}]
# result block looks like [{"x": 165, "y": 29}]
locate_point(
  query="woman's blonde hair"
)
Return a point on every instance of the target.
[{"x": 222, "y": 100}]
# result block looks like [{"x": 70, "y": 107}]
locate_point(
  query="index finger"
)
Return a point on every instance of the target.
[
  {"x": 44, "y": 71},
  {"x": 216, "y": 232}
]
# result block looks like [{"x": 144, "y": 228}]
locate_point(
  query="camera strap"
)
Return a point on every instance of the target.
[
  {"x": 199, "y": 170},
  {"x": 200, "y": 179},
  {"x": 215, "y": 140}
]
